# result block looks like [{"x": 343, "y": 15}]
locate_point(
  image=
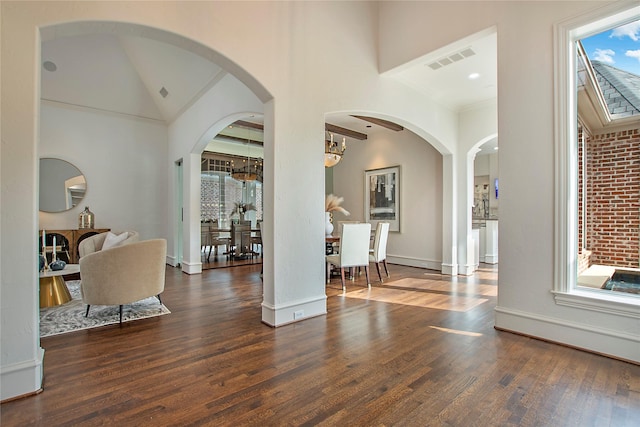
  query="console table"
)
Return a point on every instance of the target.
[{"x": 73, "y": 238}]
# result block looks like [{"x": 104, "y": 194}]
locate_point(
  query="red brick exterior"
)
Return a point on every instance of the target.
[{"x": 612, "y": 198}]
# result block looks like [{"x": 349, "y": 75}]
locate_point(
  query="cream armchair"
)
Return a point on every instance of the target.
[
  {"x": 123, "y": 274},
  {"x": 95, "y": 242}
]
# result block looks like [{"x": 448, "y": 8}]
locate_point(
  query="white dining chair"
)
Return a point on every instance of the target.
[
  {"x": 336, "y": 246},
  {"x": 378, "y": 254},
  {"x": 354, "y": 251}
]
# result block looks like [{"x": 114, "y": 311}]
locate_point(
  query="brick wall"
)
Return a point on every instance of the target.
[
  {"x": 582, "y": 136},
  {"x": 613, "y": 198}
]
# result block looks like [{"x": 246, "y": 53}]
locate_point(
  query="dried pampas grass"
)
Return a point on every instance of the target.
[{"x": 332, "y": 204}]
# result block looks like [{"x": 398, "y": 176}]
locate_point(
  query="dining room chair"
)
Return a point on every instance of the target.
[
  {"x": 378, "y": 254},
  {"x": 336, "y": 245},
  {"x": 256, "y": 238},
  {"x": 354, "y": 251},
  {"x": 205, "y": 238},
  {"x": 342, "y": 223},
  {"x": 260, "y": 226},
  {"x": 218, "y": 237}
]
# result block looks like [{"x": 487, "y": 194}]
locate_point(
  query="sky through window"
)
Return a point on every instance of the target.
[{"x": 619, "y": 47}]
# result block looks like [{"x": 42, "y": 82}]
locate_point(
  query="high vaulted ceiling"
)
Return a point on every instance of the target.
[
  {"x": 145, "y": 78},
  {"x": 125, "y": 75}
]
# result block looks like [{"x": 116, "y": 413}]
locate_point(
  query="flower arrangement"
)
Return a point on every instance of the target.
[{"x": 332, "y": 204}]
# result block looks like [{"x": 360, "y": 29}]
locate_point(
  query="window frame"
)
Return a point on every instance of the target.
[{"x": 566, "y": 33}]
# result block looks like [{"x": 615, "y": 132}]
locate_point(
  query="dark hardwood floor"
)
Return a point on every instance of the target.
[
  {"x": 418, "y": 350},
  {"x": 220, "y": 260}
]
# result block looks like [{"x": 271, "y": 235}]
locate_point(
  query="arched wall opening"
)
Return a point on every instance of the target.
[
  {"x": 425, "y": 174},
  {"x": 481, "y": 209},
  {"x": 235, "y": 95},
  {"x": 199, "y": 147}
]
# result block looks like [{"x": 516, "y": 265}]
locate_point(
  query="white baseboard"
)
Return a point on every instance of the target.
[
  {"x": 296, "y": 311},
  {"x": 449, "y": 269},
  {"x": 414, "y": 262},
  {"x": 613, "y": 343},
  {"x": 192, "y": 268},
  {"x": 171, "y": 260},
  {"x": 468, "y": 270},
  {"x": 22, "y": 379},
  {"x": 491, "y": 259}
]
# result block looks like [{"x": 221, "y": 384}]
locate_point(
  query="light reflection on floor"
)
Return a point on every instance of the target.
[
  {"x": 417, "y": 299},
  {"x": 439, "y": 285}
]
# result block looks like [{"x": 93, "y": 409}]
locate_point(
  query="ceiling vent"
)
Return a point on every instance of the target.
[{"x": 454, "y": 57}]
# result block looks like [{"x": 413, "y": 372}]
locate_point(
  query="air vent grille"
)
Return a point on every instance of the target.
[{"x": 450, "y": 59}]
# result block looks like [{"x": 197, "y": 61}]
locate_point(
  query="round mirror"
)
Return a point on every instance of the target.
[{"x": 62, "y": 185}]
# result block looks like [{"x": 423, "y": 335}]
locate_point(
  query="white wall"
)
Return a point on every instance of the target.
[
  {"x": 119, "y": 157},
  {"x": 419, "y": 242},
  {"x": 526, "y": 131},
  {"x": 478, "y": 124}
]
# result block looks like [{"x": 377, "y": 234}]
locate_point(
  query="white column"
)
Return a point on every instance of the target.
[
  {"x": 449, "y": 214},
  {"x": 294, "y": 251},
  {"x": 466, "y": 254},
  {"x": 191, "y": 261}
]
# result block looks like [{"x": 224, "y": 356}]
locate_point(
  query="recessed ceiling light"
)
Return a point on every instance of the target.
[
  {"x": 495, "y": 148},
  {"x": 49, "y": 66},
  {"x": 473, "y": 76}
]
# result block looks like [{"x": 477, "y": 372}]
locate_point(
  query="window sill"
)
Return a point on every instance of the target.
[{"x": 603, "y": 302}]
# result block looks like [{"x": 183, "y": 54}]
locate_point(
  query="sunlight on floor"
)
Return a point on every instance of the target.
[
  {"x": 439, "y": 285},
  {"x": 417, "y": 299},
  {"x": 455, "y": 331}
]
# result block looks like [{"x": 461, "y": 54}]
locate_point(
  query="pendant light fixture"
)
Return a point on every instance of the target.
[
  {"x": 247, "y": 172},
  {"x": 333, "y": 152}
]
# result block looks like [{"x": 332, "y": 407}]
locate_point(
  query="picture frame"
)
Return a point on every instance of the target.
[{"x": 382, "y": 197}]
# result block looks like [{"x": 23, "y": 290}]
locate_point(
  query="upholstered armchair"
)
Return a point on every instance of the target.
[
  {"x": 96, "y": 242},
  {"x": 123, "y": 274}
]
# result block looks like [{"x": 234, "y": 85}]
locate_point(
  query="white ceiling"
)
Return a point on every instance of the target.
[
  {"x": 452, "y": 84},
  {"x": 125, "y": 74}
]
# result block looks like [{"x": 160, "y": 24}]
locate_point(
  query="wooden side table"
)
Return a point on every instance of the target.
[{"x": 53, "y": 289}]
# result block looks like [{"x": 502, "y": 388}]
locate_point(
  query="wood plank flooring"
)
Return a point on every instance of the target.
[
  {"x": 221, "y": 260},
  {"x": 421, "y": 353}
]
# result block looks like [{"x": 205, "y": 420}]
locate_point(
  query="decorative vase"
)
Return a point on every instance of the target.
[
  {"x": 86, "y": 218},
  {"x": 42, "y": 262},
  {"x": 57, "y": 265},
  {"x": 328, "y": 226}
]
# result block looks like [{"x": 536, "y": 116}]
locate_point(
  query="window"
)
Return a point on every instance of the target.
[{"x": 573, "y": 135}]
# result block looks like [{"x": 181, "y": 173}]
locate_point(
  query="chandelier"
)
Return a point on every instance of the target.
[
  {"x": 249, "y": 171},
  {"x": 332, "y": 152},
  {"x": 246, "y": 173}
]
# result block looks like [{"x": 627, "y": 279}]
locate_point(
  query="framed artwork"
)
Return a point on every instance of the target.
[{"x": 382, "y": 197}]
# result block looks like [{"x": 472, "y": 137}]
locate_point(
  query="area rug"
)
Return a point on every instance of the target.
[{"x": 69, "y": 317}]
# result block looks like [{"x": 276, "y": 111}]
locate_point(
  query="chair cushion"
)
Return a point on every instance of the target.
[{"x": 112, "y": 240}]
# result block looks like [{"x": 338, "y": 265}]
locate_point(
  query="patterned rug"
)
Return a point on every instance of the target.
[{"x": 69, "y": 317}]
